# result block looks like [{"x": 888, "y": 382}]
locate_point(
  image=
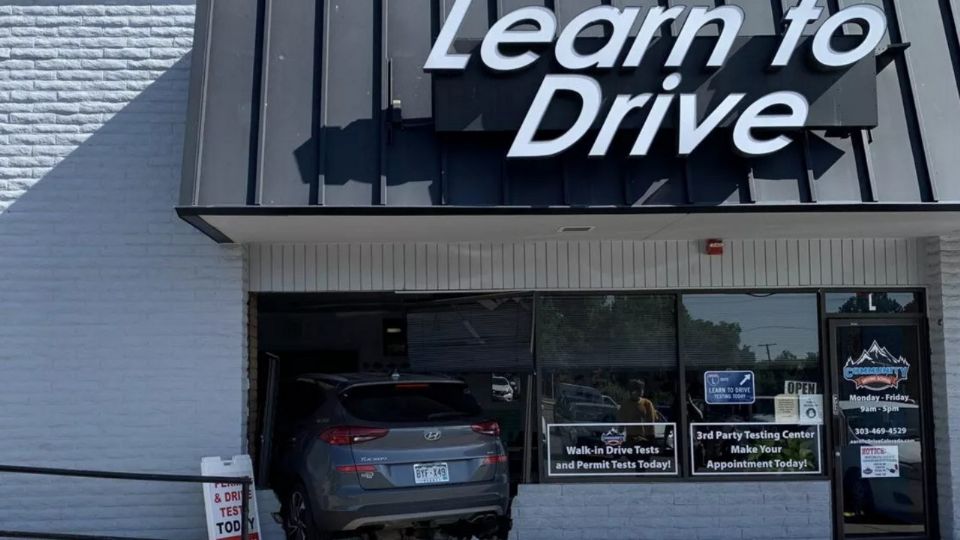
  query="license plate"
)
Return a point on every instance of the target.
[{"x": 432, "y": 473}]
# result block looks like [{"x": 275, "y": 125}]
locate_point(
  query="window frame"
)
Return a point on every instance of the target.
[{"x": 537, "y": 467}]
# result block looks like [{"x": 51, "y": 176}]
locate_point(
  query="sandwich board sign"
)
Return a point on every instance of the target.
[{"x": 224, "y": 502}]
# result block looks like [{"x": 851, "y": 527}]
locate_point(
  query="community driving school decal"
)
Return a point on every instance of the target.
[
  {"x": 510, "y": 44},
  {"x": 876, "y": 369}
]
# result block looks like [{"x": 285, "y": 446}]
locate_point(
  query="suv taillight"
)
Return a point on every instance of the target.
[
  {"x": 347, "y": 435},
  {"x": 487, "y": 428}
]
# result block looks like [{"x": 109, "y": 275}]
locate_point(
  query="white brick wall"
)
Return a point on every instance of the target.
[
  {"x": 943, "y": 302},
  {"x": 121, "y": 328},
  {"x": 674, "y": 511}
]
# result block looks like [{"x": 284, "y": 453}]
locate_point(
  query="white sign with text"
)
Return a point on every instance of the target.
[{"x": 223, "y": 502}]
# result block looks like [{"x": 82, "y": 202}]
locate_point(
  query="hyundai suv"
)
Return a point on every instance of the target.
[{"x": 372, "y": 452}]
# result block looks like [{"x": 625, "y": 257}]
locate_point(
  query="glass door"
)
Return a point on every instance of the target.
[{"x": 879, "y": 411}]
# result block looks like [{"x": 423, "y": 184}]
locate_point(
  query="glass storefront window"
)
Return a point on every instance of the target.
[
  {"x": 609, "y": 384},
  {"x": 872, "y": 302},
  {"x": 754, "y": 379}
]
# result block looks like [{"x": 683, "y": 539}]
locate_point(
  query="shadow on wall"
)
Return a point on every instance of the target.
[{"x": 122, "y": 327}]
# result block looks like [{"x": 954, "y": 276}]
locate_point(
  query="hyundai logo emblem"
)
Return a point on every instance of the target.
[{"x": 432, "y": 435}]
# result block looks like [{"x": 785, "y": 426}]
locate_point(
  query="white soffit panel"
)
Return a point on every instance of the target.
[
  {"x": 513, "y": 228},
  {"x": 585, "y": 265}
]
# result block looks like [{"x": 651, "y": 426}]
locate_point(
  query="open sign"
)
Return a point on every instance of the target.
[{"x": 799, "y": 388}]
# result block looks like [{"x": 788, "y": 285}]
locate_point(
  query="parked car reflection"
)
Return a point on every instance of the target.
[
  {"x": 502, "y": 389},
  {"x": 894, "y": 504}
]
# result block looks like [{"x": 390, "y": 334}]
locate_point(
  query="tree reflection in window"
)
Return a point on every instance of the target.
[{"x": 776, "y": 336}]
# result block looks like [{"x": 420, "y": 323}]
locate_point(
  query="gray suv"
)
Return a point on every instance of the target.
[{"x": 374, "y": 452}]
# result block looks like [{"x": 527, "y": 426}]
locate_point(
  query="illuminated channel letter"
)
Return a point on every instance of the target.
[
  {"x": 732, "y": 18},
  {"x": 606, "y": 57},
  {"x": 591, "y": 96},
  {"x": 876, "y": 27},
  {"x": 755, "y": 116},
  {"x": 655, "y": 119},
  {"x": 501, "y": 33},
  {"x": 692, "y": 133},
  {"x": 799, "y": 17},
  {"x": 440, "y": 57},
  {"x": 655, "y": 19},
  {"x": 622, "y": 106}
]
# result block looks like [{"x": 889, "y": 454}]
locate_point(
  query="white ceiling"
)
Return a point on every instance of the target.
[{"x": 477, "y": 228}]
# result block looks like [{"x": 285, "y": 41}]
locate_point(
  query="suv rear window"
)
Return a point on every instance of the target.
[{"x": 410, "y": 402}]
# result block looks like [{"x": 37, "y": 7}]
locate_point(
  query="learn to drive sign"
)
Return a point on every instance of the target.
[
  {"x": 729, "y": 387},
  {"x": 761, "y": 125},
  {"x": 224, "y": 502}
]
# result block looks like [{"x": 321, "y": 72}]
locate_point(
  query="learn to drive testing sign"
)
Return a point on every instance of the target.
[{"x": 224, "y": 502}]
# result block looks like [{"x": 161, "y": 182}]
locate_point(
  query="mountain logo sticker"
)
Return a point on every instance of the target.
[
  {"x": 614, "y": 438},
  {"x": 876, "y": 369}
]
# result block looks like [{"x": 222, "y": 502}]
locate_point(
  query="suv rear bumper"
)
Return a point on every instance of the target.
[
  {"x": 438, "y": 505},
  {"x": 441, "y": 517}
]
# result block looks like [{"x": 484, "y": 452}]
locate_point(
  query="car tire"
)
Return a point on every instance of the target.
[{"x": 298, "y": 520}]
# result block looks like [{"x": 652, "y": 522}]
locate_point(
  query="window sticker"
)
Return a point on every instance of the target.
[
  {"x": 876, "y": 369},
  {"x": 880, "y": 462},
  {"x": 754, "y": 449},
  {"x": 730, "y": 387},
  {"x": 641, "y": 449}
]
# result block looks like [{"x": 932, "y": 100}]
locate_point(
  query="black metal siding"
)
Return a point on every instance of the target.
[{"x": 292, "y": 106}]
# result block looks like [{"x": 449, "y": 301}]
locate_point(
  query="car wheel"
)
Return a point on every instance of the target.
[{"x": 298, "y": 522}]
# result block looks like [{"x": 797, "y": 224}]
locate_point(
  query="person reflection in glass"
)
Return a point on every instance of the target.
[{"x": 636, "y": 409}]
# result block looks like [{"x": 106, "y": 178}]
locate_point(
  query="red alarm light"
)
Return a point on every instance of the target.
[{"x": 714, "y": 247}]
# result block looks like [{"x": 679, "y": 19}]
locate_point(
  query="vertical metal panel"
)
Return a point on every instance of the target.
[
  {"x": 749, "y": 264},
  {"x": 193, "y": 136},
  {"x": 717, "y": 174},
  {"x": 638, "y": 265},
  {"x": 644, "y": 6},
  {"x": 858, "y": 274},
  {"x": 880, "y": 260},
  {"x": 344, "y": 274},
  {"x": 836, "y": 175},
  {"x": 903, "y": 261},
  {"x": 759, "y": 20},
  {"x": 410, "y": 266},
  {"x": 509, "y": 276},
  {"x": 826, "y": 268},
  {"x": 253, "y": 265},
  {"x": 772, "y": 266},
  {"x": 580, "y": 265},
  {"x": 869, "y": 263},
  {"x": 287, "y": 147},
  {"x": 897, "y": 178},
  {"x": 710, "y": 30},
  {"x": 937, "y": 101},
  {"x": 568, "y": 9},
  {"x": 506, "y": 6},
  {"x": 891, "y": 262},
  {"x": 351, "y": 114},
  {"x": 683, "y": 265},
  {"x": 793, "y": 260},
  {"x": 412, "y": 150},
  {"x": 803, "y": 262},
  {"x": 372, "y": 52},
  {"x": 229, "y": 103},
  {"x": 300, "y": 267},
  {"x": 778, "y": 177},
  {"x": 476, "y": 22}
]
